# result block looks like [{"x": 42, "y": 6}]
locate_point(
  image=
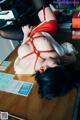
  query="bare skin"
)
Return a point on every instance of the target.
[{"x": 51, "y": 59}]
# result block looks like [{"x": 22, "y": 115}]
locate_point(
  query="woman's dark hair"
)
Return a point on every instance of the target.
[{"x": 55, "y": 82}]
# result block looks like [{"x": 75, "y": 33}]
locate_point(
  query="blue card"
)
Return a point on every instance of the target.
[
  {"x": 25, "y": 89},
  {"x": 4, "y": 65}
]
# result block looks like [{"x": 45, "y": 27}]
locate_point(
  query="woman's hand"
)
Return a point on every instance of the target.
[{"x": 26, "y": 30}]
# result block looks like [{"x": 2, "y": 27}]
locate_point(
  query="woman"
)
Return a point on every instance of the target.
[{"x": 38, "y": 57}]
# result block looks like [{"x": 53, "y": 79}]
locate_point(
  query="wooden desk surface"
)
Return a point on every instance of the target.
[{"x": 33, "y": 107}]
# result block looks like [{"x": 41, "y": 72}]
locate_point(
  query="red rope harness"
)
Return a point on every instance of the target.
[{"x": 35, "y": 51}]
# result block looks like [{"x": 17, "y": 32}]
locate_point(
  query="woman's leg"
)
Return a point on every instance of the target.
[
  {"x": 47, "y": 14},
  {"x": 12, "y": 32}
]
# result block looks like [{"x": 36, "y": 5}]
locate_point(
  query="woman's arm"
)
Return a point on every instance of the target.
[{"x": 40, "y": 5}]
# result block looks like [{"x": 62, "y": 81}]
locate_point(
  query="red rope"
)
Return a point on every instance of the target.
[
  {"x": 35, "y": 51},
  {"x": 44, "y": 13}
]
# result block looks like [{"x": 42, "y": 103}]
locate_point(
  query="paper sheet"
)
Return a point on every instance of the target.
[{"x": 18, "y": 87}]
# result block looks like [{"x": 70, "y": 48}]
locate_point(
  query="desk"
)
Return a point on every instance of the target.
[{"x": 33, "y": 107}]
